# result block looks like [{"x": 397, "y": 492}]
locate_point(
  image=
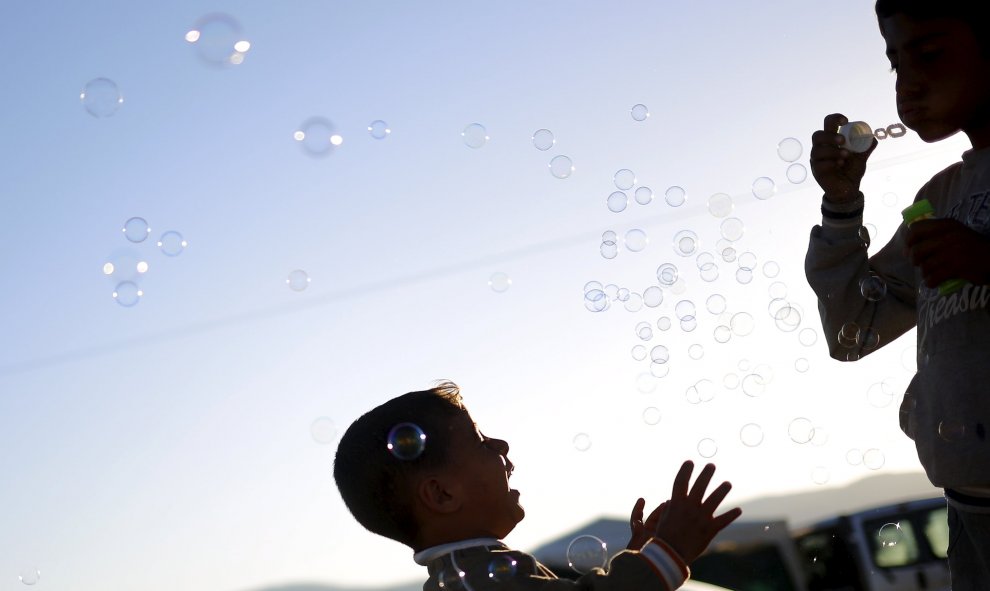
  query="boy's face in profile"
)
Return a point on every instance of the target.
[
  {"x": 943, "y": 76},
  {"x": 481, "y": 467}
]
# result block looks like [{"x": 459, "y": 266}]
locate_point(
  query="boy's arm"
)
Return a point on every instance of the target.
[{"x": 837, "y": 263}]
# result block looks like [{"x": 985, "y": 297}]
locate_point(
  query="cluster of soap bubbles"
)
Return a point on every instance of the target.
[
  {"x": 560, "y": 166},
  {"x": 871, "y": 459},
  {"x": 125, "y": 267},
  {"x": 789, "y": 150},
  {"x": 857, "y": 339}
]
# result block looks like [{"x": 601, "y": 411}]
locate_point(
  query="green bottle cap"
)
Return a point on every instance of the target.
[{"x": 917, "y": 210}]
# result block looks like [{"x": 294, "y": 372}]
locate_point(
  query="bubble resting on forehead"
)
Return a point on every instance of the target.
[{"x": 406, "y": 441}]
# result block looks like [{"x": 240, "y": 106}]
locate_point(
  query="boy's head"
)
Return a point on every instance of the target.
[
  {"x": 940, "y": 51},
  {"x": 453, "y": 486}
]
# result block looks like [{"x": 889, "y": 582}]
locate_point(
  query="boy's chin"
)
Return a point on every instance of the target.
[{"x": 931, "y": 133}]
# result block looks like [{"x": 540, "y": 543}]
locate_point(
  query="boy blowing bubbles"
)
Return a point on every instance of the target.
[
  {"x": 940, "y": 51},
  {"x": 447, "y": 496}
]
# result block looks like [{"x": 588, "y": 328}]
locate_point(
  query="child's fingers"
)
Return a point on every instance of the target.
[
  {"x": 726, "y": 518},
  {"x": 834, "y": 121},
  {"x": 637, "y": 513},
  {"x": 654, "y": 518},
  {"x": 715, "y": 499},
  {"x": 701, "y": 484},
  {"x": 680, "y": 488}
]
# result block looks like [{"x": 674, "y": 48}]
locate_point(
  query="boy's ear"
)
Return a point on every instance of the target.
[{"x": 439, "y": 494}]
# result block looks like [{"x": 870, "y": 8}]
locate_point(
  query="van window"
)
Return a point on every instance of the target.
[
  {"x": 937, "y": 531},
  {"x": 827, "y": 562},
  {"x": 893, "y": 542}
]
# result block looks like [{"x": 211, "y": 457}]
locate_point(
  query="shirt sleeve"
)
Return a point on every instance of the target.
[{"x": 837, "y": 264}]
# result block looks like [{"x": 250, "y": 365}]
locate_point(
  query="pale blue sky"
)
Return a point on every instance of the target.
[{"x": 167, "y": 445}]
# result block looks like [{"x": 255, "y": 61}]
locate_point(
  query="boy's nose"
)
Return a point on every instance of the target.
[{"x": 500, "y": 445}]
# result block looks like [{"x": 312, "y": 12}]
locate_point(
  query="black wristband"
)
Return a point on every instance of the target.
[{"x": 845, "y": 215}]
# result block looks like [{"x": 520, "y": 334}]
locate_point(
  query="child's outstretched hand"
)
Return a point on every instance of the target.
[
  {"x": 687, "y": 521},
  {"x": 838, "y": 170}
]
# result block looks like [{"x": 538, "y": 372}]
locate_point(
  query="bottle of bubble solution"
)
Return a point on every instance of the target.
[
  {"x": 859, "y": 136},
  {"x": 923, "y": 210}
]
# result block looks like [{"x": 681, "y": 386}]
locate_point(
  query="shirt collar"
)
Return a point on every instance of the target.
[{"x": 428, "y": 555}]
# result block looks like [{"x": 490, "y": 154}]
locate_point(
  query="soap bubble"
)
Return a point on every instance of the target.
[
  {"x": 585, "y": 553},
  {"x": 475, "y": 136},
  {"x": 667, "y": 274},
  {"x": 582, "y": 442},
  {"x": 807, "y": 337},
  {"x": 801, "y": 365},
  {"x": 890, "y": 535},
  {"x": 652, "y": 296},
  {"x": 820, "y": 475},
  {"x": 502, "y": 568},
  {"x": 218, "y": 40},
  {"x": 298, "y": 280},
  {"x": 704, "y": 259},
  {"x": 689, "y": 323},
  {"x": 172, "y": 243},
  {"x": 764, "y": 188},
  {"x": 127, "y": 294},
  {"x": 639, "y": 112},
  {"x": 561, "y": 166},
  {"x": 318, "y": 136},
  {"x": 634, "y": 303},
  {"x": 651, "y": 415},
  {"x": 660, "y": 354},
  {"x": 684, "y": 308},
  {"x": 951, "y": 430},
  {"x": 789, "y": 149},
  {"x": 499, "y": 282},
  {"x": 659, "y": 370},
  {"x": 722, "y": 334},
  {"x": 751, "y": 435},
  {"x": 880, "y": 394},
  {"x": 720, "y": 205},
  {"x": 787, "y": 318},
  {"x": 746, "y": 260},
  {"x": 101, "y": 97},
  {"x": 378, "y": 129},
  {"x": 643, "y": 195},
  {"x": 854, "y": 457},
  {"x": 136, "y": 230},
  {"x": 696, "y": 351},
  {"x": 644, "y": 331},
  {"x": 663, "y": 323},
  {"x": 801, "y": 430},
  {"x": 608, "y": 236},
  {"x": 715, "y": 303},
  {"x": 873, "y": 288},
  {"x": 707, "y": 448},
  {"x": 849, "y": 335},
  {"x": 730, "y": 381},
  {"x": 543, "y": 139},
  {"x": 889, "y": 199},
  {"x": 406, "y": 441},
  {"x": 675, "y": 196},
  {"x": 744, "y": 275},
  {"x": 796, "y": 173},
  {"x": 753, "y": 385},
  {"x": 323, "y": 430},
  {"x": 777, "y": 290},
  {"x": 638, "y": 352},
  {"x": 771, "y": 269},
  {"x": 636, "y": 240},
  {"x": 685, "y": 243},
  {"x": 645, "y": 383},
  {"x": 624, "y": 179},
  {"x": 609, "y": 249},
  {"x": 29, "y": 575},
  {"x": 742, "y": 324},
  {"x": 617, "y": 201},
  {"x": 732, "y": 229},
  {"x": 874, "y": 459}
]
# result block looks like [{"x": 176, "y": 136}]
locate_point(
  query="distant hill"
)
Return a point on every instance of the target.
[
  {"x": 804, "y": 508},
  {"x": 798, "y": 509}
]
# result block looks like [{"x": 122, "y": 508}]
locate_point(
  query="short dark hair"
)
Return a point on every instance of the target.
[
  {"x": 377, "y": 487},
  {"x": 972, "y": 12}
]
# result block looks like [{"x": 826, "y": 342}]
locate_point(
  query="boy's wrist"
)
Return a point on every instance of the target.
[
  {"x": 666, "y": 561},
  {"x": 845, "y": 214}
]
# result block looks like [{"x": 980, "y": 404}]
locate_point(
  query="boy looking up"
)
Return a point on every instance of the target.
[
  {"x": 940, "y": 52},
  {"x": 416, "y": 469}
]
